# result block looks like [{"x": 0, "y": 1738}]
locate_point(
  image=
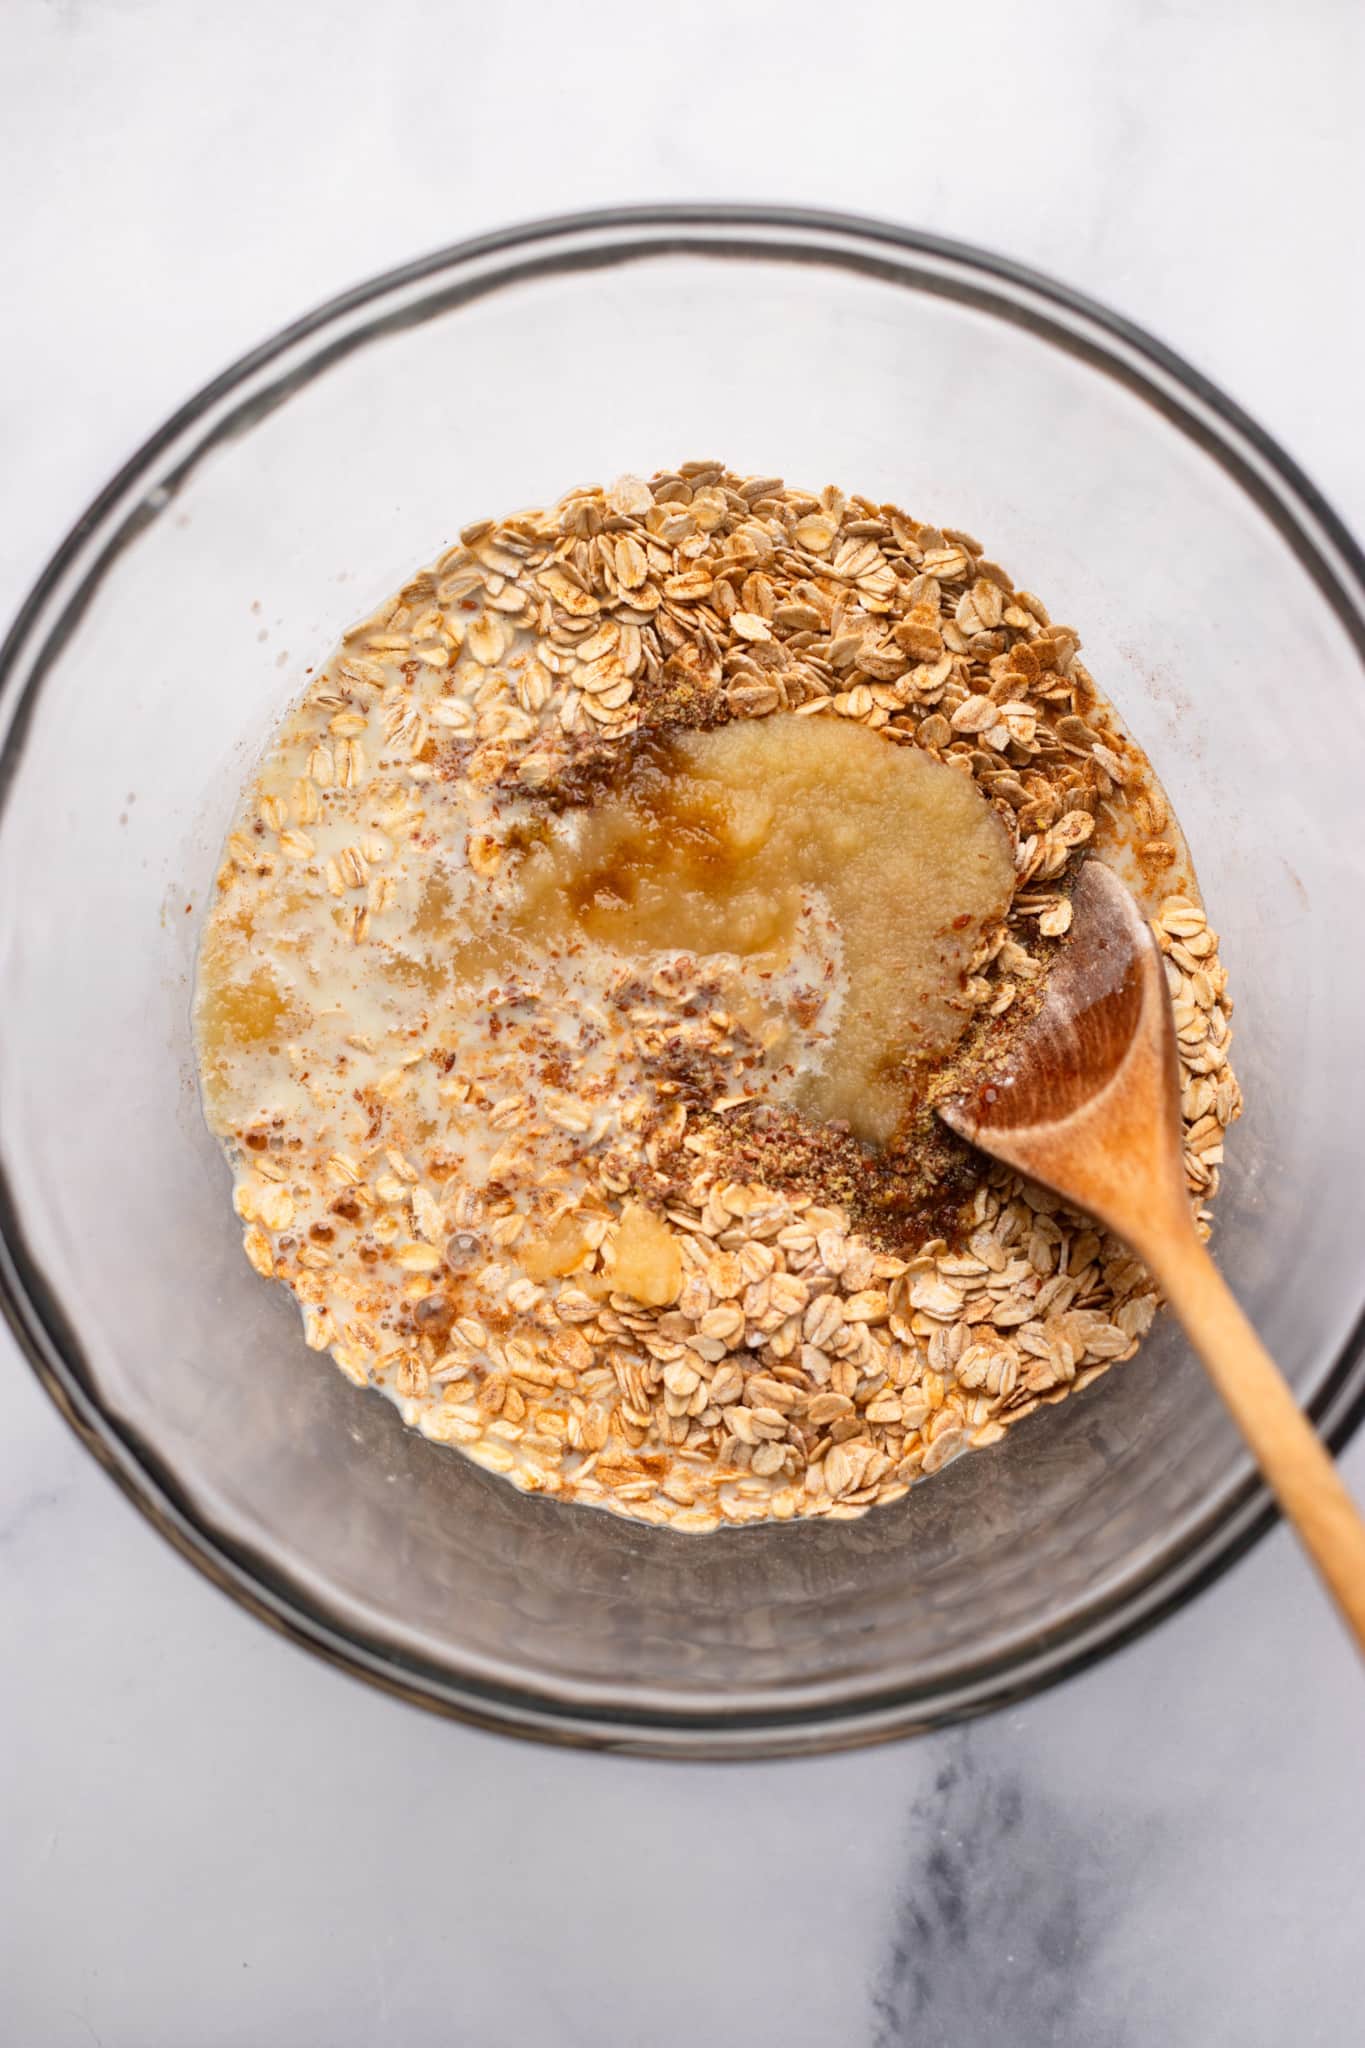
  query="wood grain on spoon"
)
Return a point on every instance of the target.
[{"x": 1087, "y": 1101}]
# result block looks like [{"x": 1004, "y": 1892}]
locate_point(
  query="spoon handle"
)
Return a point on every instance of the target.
[{"x": 1293, "y": 1461}]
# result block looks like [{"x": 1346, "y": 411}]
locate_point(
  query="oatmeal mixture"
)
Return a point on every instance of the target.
[{"x": 586, "y": 957}]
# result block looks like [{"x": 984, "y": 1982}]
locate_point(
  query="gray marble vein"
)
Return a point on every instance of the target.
[{"x": 1000, "y": 1914}]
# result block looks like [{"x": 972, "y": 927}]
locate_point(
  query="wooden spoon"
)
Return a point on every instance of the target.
[{"x": 1087, "y": 1101}]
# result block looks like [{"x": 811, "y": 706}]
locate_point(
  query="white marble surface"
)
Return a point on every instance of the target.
[{"x": 206, "y": 1837}]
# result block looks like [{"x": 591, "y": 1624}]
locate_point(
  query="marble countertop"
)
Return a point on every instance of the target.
[{"x": 207, "y": 1837}]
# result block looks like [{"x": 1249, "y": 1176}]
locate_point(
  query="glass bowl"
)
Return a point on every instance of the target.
[{"x": 1221, "y": 605}]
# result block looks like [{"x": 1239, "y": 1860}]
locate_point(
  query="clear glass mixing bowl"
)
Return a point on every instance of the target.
[{"x": 1221, "y": 605}]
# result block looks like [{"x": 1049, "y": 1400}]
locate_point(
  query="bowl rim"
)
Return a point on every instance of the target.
[{"x": 1108, "y": 342}]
